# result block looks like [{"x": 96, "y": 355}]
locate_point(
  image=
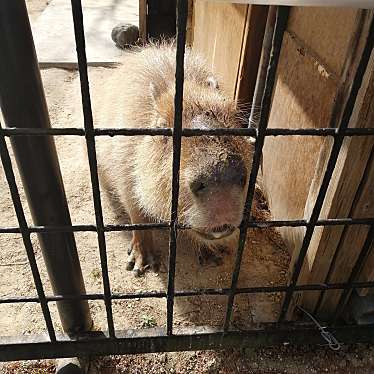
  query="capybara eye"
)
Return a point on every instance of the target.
[{"x": 197, "y": 187}]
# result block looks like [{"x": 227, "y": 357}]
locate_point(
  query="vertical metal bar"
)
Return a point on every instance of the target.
[
  {"x": 354, "y": 274},
  {"x": 279, "y": 29},
  {"x": 338, "y": 141},
  {"x": 264, "y": 63},
  {"x": 91, "y": 149},
  {"x": 182, "y": 12},
  {"x": 23, "y": 105},
  {"x": 9, "y": 174}
]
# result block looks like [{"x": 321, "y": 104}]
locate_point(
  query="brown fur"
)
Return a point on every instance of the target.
[{"x": 142, "y": 95}]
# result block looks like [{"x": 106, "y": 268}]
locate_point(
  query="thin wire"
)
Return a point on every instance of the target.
[{"x": 332, "y": 342}]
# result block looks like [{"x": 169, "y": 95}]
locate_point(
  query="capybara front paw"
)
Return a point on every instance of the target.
[{"x": 140, "y": 260}]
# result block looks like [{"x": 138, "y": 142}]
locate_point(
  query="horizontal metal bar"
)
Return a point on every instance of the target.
[
  {"x": 12, "y": 131},
  {"x": 186, "y": 339},
  {"x": 319, "y": 132},
  {"x": 148, "y": 226},
  {"x": 189, "y": 293},
  {"x": 136, "y": 226},
  {"x": 321, "y": 222}
]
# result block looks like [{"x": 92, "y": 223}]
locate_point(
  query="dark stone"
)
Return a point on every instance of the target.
[{"x": 125, "y": 34}]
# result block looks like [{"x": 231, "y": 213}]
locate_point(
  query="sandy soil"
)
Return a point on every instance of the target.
[{"x": 265, "y": 262}]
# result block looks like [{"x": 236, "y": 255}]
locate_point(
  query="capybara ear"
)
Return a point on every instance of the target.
[{"x": 212, "y": 82}]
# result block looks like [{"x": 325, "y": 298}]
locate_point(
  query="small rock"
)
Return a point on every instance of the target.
[
  {"x": 69, "y": 366},
  {"x": 164, "y": 358},
  {"x": 125, "y": 35},
  {"x": 212, "y": 363}
]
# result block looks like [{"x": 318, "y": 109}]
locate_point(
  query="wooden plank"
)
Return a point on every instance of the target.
[
  {"x": 358, "y": 4},
  {"x": 143, "y": 20},
  {"x": 218, "y": 36},
  {"x": 309, "y": 83},
  {"x": 303, "y": 98},
  {"x": 190, "y": 23},
  {"x": 341, "y": 195},
  {"x": 251, "y": 53},
  {"x": 326, "y": 31},
  {"x": 351, "y": 242}
]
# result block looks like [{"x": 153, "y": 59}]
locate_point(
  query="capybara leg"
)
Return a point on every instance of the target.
[{"x": 141, "y": 254}]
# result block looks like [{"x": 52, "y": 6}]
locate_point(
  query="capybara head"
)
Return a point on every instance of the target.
[{"x": 214, "y": 170}]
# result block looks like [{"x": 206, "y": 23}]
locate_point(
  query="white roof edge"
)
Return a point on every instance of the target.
[{"x": 364, "y": 4}]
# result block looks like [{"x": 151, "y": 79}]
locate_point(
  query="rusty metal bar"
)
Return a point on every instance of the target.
[
  {"x": 76, "y": 131},
  {"x": 147, "y": 226},
  {"x": 155, "y": 340},
  {"x": 189, "y": 293},
  {"x": 182, "y": 12},
  {"x": 91, "y": 150}
]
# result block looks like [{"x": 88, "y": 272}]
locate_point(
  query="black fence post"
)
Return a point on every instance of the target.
[{"x": 23, "y": 105}]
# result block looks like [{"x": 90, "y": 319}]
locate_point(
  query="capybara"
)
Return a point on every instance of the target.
[{"x": 214, "y": 170}]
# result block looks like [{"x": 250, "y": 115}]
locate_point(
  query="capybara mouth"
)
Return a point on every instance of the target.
[{"x": 216, "y": 233}]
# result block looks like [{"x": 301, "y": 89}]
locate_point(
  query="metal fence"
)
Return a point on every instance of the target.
[{"x": 169, "y": 339}]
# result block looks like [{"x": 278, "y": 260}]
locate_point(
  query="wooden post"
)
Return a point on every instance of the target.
[{"x": 143, "y": 20}]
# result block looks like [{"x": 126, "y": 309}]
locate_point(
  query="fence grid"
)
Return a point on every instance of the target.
[{"x": 154, "y": 340}]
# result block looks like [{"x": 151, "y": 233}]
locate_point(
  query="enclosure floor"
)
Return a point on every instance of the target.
[{"x": 54, "y": 33}]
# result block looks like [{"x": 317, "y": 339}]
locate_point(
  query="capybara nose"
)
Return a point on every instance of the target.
[{"x": 230, "y": 171}]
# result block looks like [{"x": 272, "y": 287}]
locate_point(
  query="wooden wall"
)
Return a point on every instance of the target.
[
  {"x": 318, "y": 59},
  {"x": 229, "y": 36}
]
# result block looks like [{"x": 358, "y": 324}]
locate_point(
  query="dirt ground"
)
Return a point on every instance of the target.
[{"x": 265, "y": 262}]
